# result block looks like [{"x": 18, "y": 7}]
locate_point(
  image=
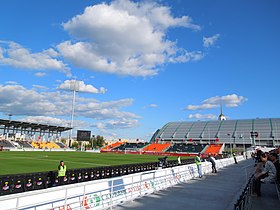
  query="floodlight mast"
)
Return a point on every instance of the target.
[{"x": 75, "y": 89}]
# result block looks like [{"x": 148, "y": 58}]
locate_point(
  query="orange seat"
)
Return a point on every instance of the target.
[
  {"x": 157, "y": 147},
  {"x": 112, "y": 146},
  {"x": 213, "y": 149}
]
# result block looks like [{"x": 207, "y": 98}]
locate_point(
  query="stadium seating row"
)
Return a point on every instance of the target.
[
  {"x": 112, "y": 146},
  {"x": 45, "y": 145},
  {"x": 213, "y": 149},
  {"x": 189, "y": 148},
  {"x": 186, "y": 148},
  {"x": 34, "y": 144},
  {"x": 130, "y": 146},
  {"x": 6, "y": 143},
  {"x": 155, "y": 147}
]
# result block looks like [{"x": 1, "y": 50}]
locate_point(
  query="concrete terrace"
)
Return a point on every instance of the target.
[{"x": 213, "y": 192}]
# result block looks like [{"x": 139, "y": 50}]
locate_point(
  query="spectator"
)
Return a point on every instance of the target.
[
  {"x": 61, "y": 172},
  {"x": 234, "y": 157},
  {"x": 259, "y": 169},
  {"x": 212, "y": 161},
  {"x": 163, "y": 161},
  {"x": 278, "y": 153},
  {"x": 274, "y": 159},
  {"x": 179, "y": 160},
  {"x": 267, "y": 175},
  {"x": 197, "y": 161},
  {"x": 258, "y": 156}
]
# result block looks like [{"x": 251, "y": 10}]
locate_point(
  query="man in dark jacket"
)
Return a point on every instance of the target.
[
  {"x": 211, "y": 159},
  {"x": 275, "y": 161}
]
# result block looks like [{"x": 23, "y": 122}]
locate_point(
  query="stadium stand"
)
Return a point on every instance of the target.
[
  {"x": 45, "y": 145},
  {"x": 24, "y": 144},
  {"x": 130, "y": 146},
  {"x": 60, "y": 144},
  {"x": 213, "y": 149},
  {"x": 112, "y": 146},
  {"x": 154, "y": 147},
  {"x": 52, "y": 145},
  {"x": 7, "y": 144},
  {"x": 185, "y": 148},
  {"x": 245, "y": 132},
  {"x": 35, "y": 145}
]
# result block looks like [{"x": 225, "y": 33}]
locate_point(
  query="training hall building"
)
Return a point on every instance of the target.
[{"x": 236, "y": 133}]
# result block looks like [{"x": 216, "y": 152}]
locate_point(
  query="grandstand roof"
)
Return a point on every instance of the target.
[
  {"x": 35, "y": 127},
  {"x": 226, "y": 130}
]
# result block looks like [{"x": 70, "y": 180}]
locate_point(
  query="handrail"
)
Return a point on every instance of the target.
[{"x": 244, "y": 201}]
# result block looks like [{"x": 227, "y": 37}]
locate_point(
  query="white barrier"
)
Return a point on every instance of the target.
[{"x": 104, "y": 193}]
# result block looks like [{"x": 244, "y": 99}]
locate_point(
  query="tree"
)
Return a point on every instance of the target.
[
  {"x": 97, "y": 141},
  {"x": 75, "y": 144}
]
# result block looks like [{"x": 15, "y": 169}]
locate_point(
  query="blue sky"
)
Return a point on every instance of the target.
[{"x": 138, "y": 64}]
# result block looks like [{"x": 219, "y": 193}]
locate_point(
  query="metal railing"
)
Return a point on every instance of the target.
[{"x": 244, "y": 202}]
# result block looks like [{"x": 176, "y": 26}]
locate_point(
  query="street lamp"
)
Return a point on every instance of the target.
[
  {"x": 244, "y": 149},
  {"x": 230, "y": 143}
]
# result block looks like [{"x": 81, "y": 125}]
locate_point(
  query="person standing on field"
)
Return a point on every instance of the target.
[{"x": 61, "y": 172}]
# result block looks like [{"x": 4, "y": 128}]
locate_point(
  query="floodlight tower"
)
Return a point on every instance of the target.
[{"x": 75, "y": 87}]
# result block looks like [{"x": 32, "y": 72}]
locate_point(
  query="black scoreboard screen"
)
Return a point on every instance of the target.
[{"x": 83, "y": 135}]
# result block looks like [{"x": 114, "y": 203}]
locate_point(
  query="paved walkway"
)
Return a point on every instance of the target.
[
  {"x": 268, "y": 200},
  {"x": 213, "y": 192}
]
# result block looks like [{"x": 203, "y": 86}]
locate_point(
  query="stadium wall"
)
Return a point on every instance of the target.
[{"x": 100, "y": 194}]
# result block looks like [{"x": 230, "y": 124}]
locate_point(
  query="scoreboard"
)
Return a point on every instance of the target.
[{"x": 83, "y": 135}]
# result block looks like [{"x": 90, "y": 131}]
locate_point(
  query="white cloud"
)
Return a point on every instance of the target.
[
  {"x": 210, "y": 41},
  {"x": 203, "y": 116},
  {"x": 53, "y": 121},
  {"x": 11, "y": 83},
  {"x": 79, "y": 86},
  {"x": 159, "y": 15},
  {"x": 46, "y": 120},
  {"x": 125, "y": 38},
  {"x": 153, "y": 105},
  {"x": 17, "y": 56},
  {"x": 40, "y": 74},
  {"x": 1, "y": 52},
  {"x": 232, "y": 100},
  {"x": 202, "y": 106},
  {"x": 41, "y": 87},
  {"x": 116, "y": 124},
  {"x": 17, "y": 100}
]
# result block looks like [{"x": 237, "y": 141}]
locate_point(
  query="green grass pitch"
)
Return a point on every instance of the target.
[{"x": 28, "y": 162}]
